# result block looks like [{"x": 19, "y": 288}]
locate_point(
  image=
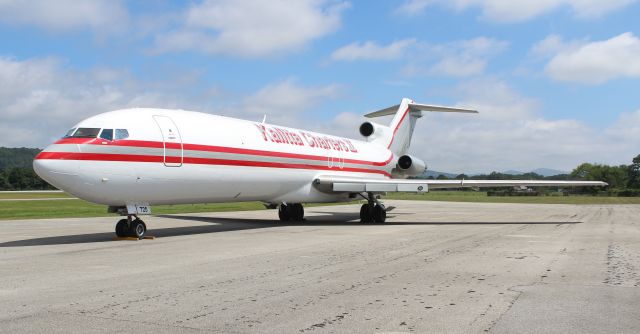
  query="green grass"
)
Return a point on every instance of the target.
[
  {"x": 32, "y": 195},
  {"x": 79, "y": 208},
  {"x": 481, "y": 197}
]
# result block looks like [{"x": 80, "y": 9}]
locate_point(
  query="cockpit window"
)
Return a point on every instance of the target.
[
  {"x": 69, "y": 133},
  {"x": 122, "y": 134},
  {"x": 86, "y": 133},
  {"x": 107, "y": 134}
]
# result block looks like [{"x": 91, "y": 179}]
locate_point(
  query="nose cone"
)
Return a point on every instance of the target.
[{"x": 52, "y": 167}]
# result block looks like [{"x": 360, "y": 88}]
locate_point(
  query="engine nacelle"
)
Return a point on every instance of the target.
[
  {"x": 411, "y": 166},
  {"x": 373, "y": 131},
  {"x": 367, "y": 129}
]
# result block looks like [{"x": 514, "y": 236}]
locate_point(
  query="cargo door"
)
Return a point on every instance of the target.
[{"x": 173, "y": 152}]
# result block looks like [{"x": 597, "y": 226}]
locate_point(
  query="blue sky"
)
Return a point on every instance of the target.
[{"x": 556, "y": 81}]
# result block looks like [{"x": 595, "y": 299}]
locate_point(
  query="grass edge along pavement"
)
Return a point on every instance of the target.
[{"x": 76, "y": 208}]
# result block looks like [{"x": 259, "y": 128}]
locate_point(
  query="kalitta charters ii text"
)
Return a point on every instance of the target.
[{"x": 284, "y": 136}]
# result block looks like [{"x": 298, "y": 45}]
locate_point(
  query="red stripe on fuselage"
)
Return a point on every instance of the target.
[
  {"x": 220, "y": 149},
  {"x": 192, "y": 160}
]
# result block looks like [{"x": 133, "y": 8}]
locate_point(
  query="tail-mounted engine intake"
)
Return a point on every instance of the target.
[
  {"x": 411, "y": 166},
  {"x": 366, "y": 129},
  {"x": 373, "y": 131}
]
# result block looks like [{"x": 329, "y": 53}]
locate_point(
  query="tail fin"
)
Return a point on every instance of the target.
[{"x": 401, "y": 128}]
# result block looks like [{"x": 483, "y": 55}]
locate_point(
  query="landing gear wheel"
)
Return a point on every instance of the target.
[
  {"x": 291, "y": 212},
  {"x": 296, "y": 212},
  {"x": 379, "y": 214},
  {"x": 284, "y": 213},
  {"x": 138, "y": 229},
  {"x": 366, "y": 214},
  {"x": 121, "y": 228}
]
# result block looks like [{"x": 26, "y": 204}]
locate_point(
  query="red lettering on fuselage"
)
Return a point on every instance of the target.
[{"x": 284, "y": 136}]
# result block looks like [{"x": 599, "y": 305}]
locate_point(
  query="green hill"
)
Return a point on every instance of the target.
[
  {"x": 16, "y": 170},
  {"x": 17, "y": 157}
]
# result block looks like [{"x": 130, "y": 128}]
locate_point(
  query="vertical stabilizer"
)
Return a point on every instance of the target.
[
  {"x": 402, "y": 127},
  {"x": 397, "y": 136}
]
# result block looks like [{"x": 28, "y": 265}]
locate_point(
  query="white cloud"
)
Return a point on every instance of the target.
[
  {"x": 458, "y": 59},
  {"x": 286, "y": 102},
  {"x": 41, "y": 98},
  {"x": 517, "y": 10},
  {"x": 252, "y": 28},
  {"x": 373, "y": 51},
  {"x": 627, "y": 129},
  {"x": 459, "y": 66},
  {"x": 548, "y": 46},
  {"x": 61, "y": 15},
  {"x": 511, "y": 133},
  {"x": 497, "y": 100},
  {"x": 594, "y": 62}
]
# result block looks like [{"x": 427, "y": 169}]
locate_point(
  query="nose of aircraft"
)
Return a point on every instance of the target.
[{"x": 52, "y": 167}]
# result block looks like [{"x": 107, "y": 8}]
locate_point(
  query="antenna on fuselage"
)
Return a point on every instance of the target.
[{"x": 264, "y": 118}]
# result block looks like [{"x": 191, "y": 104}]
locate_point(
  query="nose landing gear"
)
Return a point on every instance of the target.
[{"x": 131, "y": 227}]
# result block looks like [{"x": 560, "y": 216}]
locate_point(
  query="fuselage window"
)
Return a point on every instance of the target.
[
  {"x": 86, "y": 133},
  {"x": 122, "y": 134},
  {"x": 107, "y": 134},
  {"x": 69, "y": 133}
]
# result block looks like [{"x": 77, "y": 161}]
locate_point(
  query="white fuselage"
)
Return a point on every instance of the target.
[{"x": 175, "y": 156}]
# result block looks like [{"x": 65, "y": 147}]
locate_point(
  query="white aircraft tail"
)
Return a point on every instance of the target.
[{"x": 397, "y": 136}]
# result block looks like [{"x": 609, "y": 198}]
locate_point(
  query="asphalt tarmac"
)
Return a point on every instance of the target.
[{"x": 434, "y": 267}]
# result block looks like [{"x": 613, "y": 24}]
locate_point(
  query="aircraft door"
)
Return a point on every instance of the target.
[
  {"x": 335, "y": 159},
  {"x": 173, "y": 151}
]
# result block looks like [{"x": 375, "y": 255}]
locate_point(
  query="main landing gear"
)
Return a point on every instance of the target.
[
  {"x": 373, "y": 211},
  {"x": 132, "y": 226},
  {"x": 291, "y": 212}
]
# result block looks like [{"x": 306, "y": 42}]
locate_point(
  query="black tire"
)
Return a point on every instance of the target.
[
  {"x": 284, "y": 213},
  {"x": 379, "y": 215},
  {"x": 296, "y": 212},
  {"x": 121, "y": 228},
  {"x": 138, "y": 229},
  {"x": 365, "y": 214}
]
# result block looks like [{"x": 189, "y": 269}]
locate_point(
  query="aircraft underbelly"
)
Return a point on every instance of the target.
[{"x": 157, "y": 184}]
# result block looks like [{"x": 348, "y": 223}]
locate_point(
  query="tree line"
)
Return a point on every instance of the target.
[
  {"x": 622, "y": 179},
  {"x": 16, "y": 170}
]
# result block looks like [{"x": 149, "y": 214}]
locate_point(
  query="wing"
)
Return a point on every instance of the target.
[{"x": 353, "y": 184}]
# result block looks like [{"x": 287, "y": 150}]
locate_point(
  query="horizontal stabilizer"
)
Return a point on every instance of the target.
[
  {"x": 417, "y": 106},
  {"x": 427, "y": 107}
]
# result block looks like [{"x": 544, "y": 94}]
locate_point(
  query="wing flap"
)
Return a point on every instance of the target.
[{"x": 351, "y": 184}]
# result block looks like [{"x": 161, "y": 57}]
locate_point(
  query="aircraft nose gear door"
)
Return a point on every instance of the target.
[{"x": 173, "y": 153}]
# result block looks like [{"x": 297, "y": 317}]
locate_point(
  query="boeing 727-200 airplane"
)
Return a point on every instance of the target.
[{"x": 132, "y": 159}]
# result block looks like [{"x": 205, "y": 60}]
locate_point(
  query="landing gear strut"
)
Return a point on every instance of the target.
[
  {"x": 291, "y": 212},
  {"x": 132, "y": 226},
  {"x": 372, "y": 211}
]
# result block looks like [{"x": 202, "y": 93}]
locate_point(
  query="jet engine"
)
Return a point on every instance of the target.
[
  {"x": 411, "y": 166},
  {"x": 373, "y": 130}
]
